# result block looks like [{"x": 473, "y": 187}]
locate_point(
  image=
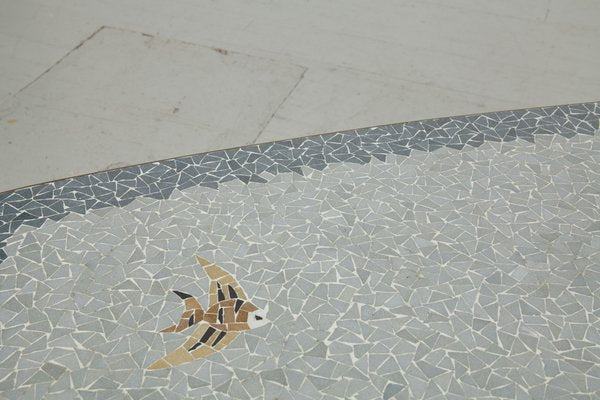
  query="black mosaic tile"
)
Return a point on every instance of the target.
[{"x": 254, "y": 163}]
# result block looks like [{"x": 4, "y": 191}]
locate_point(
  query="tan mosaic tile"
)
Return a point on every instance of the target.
[{"x": 229, "y": 312}]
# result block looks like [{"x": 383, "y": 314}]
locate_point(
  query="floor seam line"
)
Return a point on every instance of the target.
[
  {"x": 280, "y": 104},
  {"x": 57, "y": 62}
]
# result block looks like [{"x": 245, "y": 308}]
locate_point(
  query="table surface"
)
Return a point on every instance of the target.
[{"x": 446, "y": 258}]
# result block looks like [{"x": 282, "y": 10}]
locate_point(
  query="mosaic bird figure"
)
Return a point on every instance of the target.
[{"x": 229, "y": 313}]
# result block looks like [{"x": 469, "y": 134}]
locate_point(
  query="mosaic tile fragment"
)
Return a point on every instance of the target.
[
  {"x": 257, "y": 163},
  {"x": 447, "y": 274}
]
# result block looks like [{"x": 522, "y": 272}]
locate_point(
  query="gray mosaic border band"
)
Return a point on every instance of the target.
[{"x": 255, "y": 163}]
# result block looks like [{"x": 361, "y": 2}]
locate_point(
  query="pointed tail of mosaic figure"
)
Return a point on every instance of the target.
[{"x": 192, "y": 314}]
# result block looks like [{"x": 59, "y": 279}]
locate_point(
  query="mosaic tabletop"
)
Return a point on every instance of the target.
[{"x": 452, "y": 258}]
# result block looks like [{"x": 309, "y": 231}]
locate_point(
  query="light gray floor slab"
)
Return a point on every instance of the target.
[
  {"x": 314, "y": 105},
  {"x": 366, "y": 65},
  {"x": 114, "y": 90}
]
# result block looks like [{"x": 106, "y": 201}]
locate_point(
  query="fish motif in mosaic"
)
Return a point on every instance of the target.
[{"x": 229, "y": 312}]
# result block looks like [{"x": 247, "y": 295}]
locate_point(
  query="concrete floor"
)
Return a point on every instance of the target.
[{"x": 86, "y": 86}]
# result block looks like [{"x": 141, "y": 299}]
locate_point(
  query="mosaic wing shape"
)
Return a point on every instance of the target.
[
  {"x": 223, "y": 285},
  {"x": 193, "y": 313},
  {"x": 203, "y": 342}
]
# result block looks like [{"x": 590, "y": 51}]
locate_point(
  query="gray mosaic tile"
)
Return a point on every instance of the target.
[
  {"x": 444, "y": 274},
  {"x": 257, "y": 163}
]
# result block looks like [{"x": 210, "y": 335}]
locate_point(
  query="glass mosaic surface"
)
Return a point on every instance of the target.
[{"x": 442, "y": 259}]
